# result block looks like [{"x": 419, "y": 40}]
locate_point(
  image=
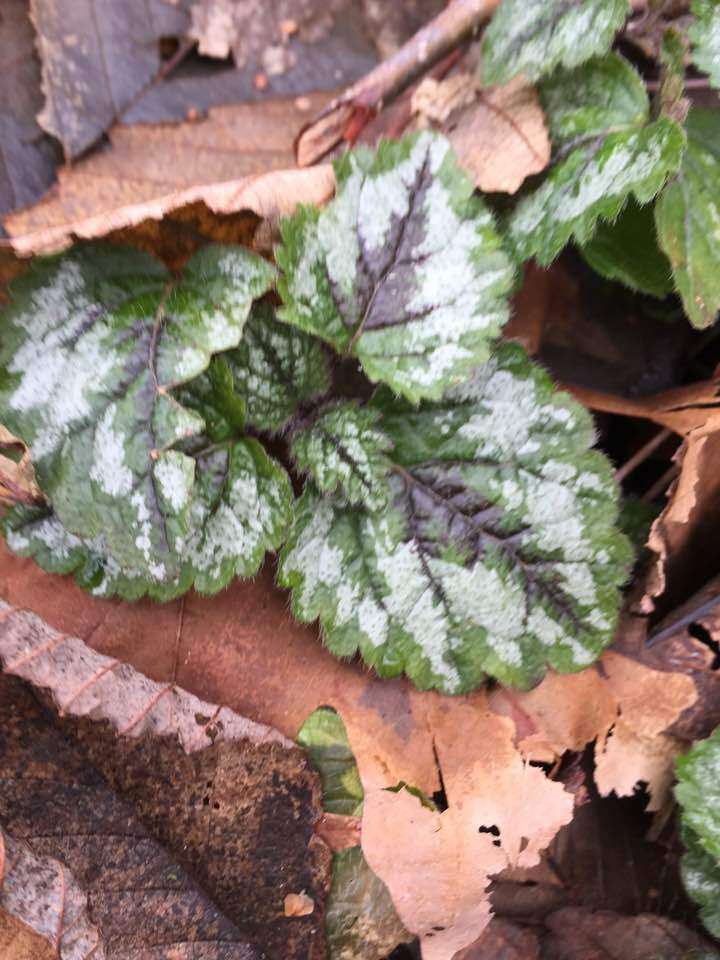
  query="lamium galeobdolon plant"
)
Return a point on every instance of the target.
[{"x": 452, "y": 520}]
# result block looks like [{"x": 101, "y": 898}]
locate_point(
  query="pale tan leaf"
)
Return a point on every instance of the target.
[
  {"x": 17, "y": 477},
  {"x": 239, "y": 158},
  {"x": 625, "y": 759},
  {"x": 498, "y": 133},
  {"x": 501, "y": 813},
  {"x": 298, "y": 905}
]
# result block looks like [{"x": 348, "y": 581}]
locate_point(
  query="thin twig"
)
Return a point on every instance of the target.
[
  {"x": 642, "y": 454},
  {"x": 349, "y": 112},
  {"x": 661, "y": 485}
]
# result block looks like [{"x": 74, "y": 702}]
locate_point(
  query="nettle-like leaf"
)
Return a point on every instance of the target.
[
  {"x": 498, "y": 553},
  {"x": 688, "y": 219},
  {"x": 94, "y": 344},
  {"x": 345, "y": 451},
  {"x": 704, "y": 35},
  {"x": 264, "y": 382},
  {"x": 627, "y": 250},
  {"x": 403, "y": 269},
  {"x": 535, "y": 36},
  {"x": 698, "y": 793},
  {"x": 606, "y": 148}
]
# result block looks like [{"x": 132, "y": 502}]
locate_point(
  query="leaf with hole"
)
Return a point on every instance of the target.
[
  {"x": 498, "y": 553},
  {"x": 535, "y": 36},
  {"x": 606, "y": 149},
  {"x": 404, "y": 269}
]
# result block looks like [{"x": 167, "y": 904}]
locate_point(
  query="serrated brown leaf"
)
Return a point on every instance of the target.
[
  {"x": 243, "y": 648},
  {"x": 234, "y": 801},
  {"x": 238, "y": 159},
  {"x": 27, "y": 156},
  {"x": 498, "y": 133}
]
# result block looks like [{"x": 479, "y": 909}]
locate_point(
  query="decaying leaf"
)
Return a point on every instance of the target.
[
  {"x": 237, "y": 159},
  {"x": 17, "y": 475},
  {"x": 234, "y": 802},
  {"x": 498, "y": 133},
  {"x": 26, "y": 155},
  {"x": 94, "y": 63},
  {"x": 501, "y": 812}
]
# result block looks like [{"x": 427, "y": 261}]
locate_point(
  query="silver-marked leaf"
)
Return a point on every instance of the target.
[
  {"x": 627, "y": 250},
  {"x": 698, "y": 792},
  {"x": 344, "y": 451},
  {"x": 606, "y": 149},
  {"x": 403, "y": 269},
  {"x": 704, "y": 35},
  {"x": 241, "y": 508},
  {"x": 688, "y": 219},
  {"x": 499, "y": 552},
  {"x": 700, "y": 874},
  {"x": 93, "y": 344},
  {"x": 535, "y": 36}
]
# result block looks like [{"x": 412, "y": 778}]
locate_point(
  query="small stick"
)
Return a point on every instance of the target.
[
  {"x": 660, "y": 485},
  {"x": 356, "y": 105},
  {"x": 642, "y": 454}
]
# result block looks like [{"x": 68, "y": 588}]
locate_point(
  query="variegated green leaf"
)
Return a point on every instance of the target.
[
  {"x": 606, "y": 148},
  {"x": 704, "y": 35},
  {"x": 241, "y": 508},
  {"x": 324, "y": 737},
  {"x": 93, "y": 345},
  {"x": 688, "y": 219},
  {"x": 498, "y": 553},
  {"x": 344, "y": 450},
  {"x": 698, "y": 794},
  {"x": 535, "y": 36},
  {"x": 403, "y": 269},
  {"x": 627, "y": 250}
]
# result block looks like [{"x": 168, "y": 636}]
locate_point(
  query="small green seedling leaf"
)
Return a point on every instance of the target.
[
  {"x": 94, "y": 344},
  {"x": 704, "y": 36},
  {"x": 698, "y": 794},
  {"x": 627, "y": 250},
  {"x": 324, "y": 737},
  {"x": 498, "y": 553},
  {"x": 606, "y": 148},
  {"x": 535, "y": 36},
  {"x": 403, "y": 269},
  {"x": 688, "y": 214},
  {"x": 344, "y": 452}
]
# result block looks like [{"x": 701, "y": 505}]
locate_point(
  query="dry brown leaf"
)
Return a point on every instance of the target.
[
  {"x": 243, "y": 648},
  {"x": 238, "y": 159},
  {"x": 298, "y": 905},
  {"x": 42, "y": 896},
  {"x": 17, "y": 477},
  {"x": 625, "y": 759},
  {"x": 501, "y": 812},
  {"x": 504, "y": 941},
  {"x": 235, "y": 801},
  {"x": 498, "y": 133}
]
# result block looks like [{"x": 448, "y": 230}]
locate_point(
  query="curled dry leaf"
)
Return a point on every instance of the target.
[
  {"x": 298, "y": 905},
  {"x": 42, "y": 906},
  {"x": 498, "y": 133},
  {"x": 243, "y": 648},
  {"x": 17, "y": 477},
  {"x": 238, "y": 159},
  {"x": 235, "y": 802}
]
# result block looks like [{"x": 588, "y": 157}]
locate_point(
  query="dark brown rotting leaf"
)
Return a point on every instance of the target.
[
  {"x": 140, "y": 903},
  {"x": 234, "y": 801},
  {"x": 96, "y": 58},
  {"x": 27, "y": 156},
  {"x": 40, "y": 894}
]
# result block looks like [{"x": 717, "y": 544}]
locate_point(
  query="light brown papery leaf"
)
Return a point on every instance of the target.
[
  {"x": 624, "y": 759},
  {"x": 498, "y": 133},
  {"x": 501, "y": 813},
  {"x": 232, "y": 799},
  {"x": 17, "y": 478},
  {"x": 43, "y": 896},
  {"x": 239, "y": 158},
  {"x": 298, "y": 905}
]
